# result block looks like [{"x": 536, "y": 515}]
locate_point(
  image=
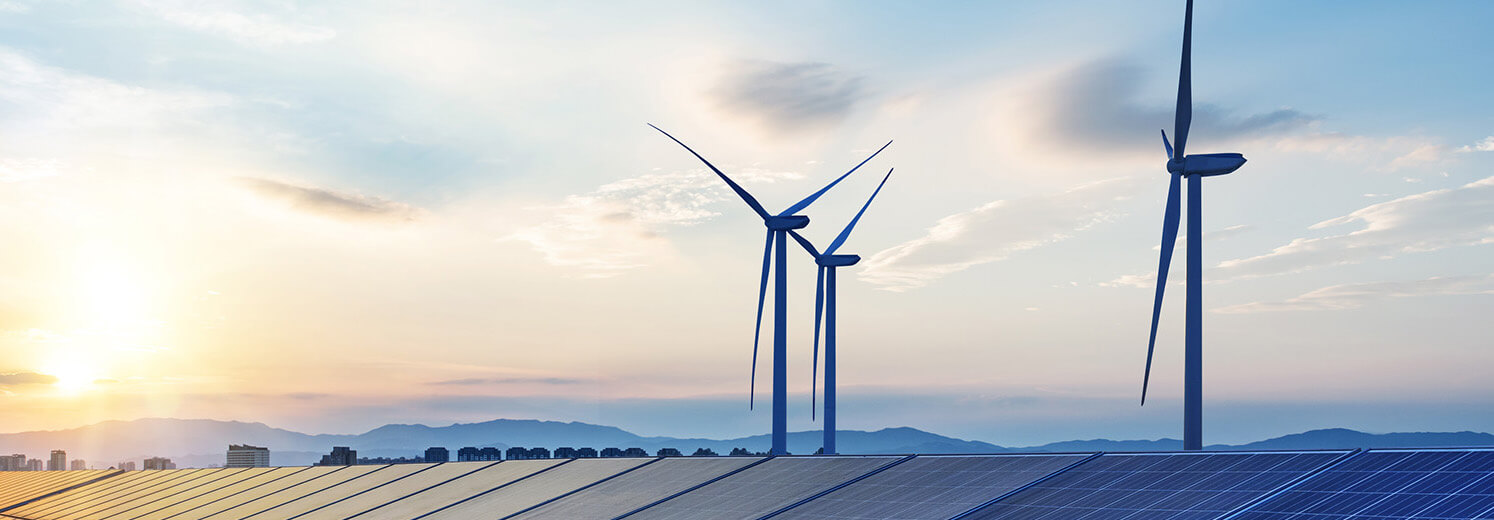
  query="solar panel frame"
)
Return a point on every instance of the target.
[
  {"x": 58, "y": 488},
  {"x": 206, "y": 477},
  {"x": 78, "y": 508},
  {"x": 211, "y": 496},
  {"x": 27, "y": 492},
  {"x": 925, "y": 487},
  {"x": 297, "y": 492},
  {"x": 583, "y": 504},
  {"x": 1390, "y": 483},
  {"x": 394, "y": 490},
  {"x": 1170, "y": 485},
  {"x": 728, "y": 496},
  {"x": 98, "y": 488},
  {"x": 537, "y": 488}
]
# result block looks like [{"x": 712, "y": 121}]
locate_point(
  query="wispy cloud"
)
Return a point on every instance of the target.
[
  {"x": 1428, "y": 221},
  {"x": 233, "y": 22},
  {"x": 605, "y": 232},
  {"x": 993, "y": 232},
  {"x": 1356, "y": 295},
  {"x": 479, "y": 381},
  {"x": 329, "y": 203},
  {"x": 57, "y": 103},
  {"x": 26, "y": 378},
  {"x": 1486, "y": 145},
  {"x": 788, "y": 97}
]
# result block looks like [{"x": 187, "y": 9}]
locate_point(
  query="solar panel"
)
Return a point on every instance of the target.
[
  {"x": 303, "y": 489},
  {"x": 638, "y": 488},
  {"x": 28, "y": 486},
  {"x": 103, "y": 490},
  {"x": 23, "y": 489},
  {"x": 764, "y": 488},
  {"x": 931, "y": 487},
  {"x": 384, "y": 494},
  {"x": 187, "y": 511},
  {"x": 210, "y": 494},
  {"x": 73, "y": 510},
  {"x": 1173, "y": 486},
  {"x": 441, "y": 496},
  {"x": 1424, "y": 484},
  {"x": 523, "y": 494},
  {"x": 318, "y": 499},
  {"x": 130, "y": 503}
]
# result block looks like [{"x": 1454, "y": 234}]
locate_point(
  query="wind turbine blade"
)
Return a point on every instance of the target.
[
  {"x": 819, "y": 306},
  {"x": 811, "y": 198},
  {"x": 1166, "y": 144},
  {"x": 747, "y": 197},
  {"x": 803, "y": 242},
  {"x": 841, "y": 239},
  {"x": 762, "y": 293},
  {"x": 1184, "y": 113},
  {"x": 1169, "y": 238}
]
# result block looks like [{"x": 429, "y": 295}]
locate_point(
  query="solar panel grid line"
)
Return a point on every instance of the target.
[
  {"x": 79, "y": 508},
  {"x": 1293, "y": 484},
  {"x": 509, "y": 498},
  {"x": 427, "y": 488},
  {"x": 104, "y": 489},
  {"x": 765, "y": 488},
  {"x": 31, "y": 488},
  {"x": 1426, "y": 510},
  {"x": 638, "y": 488},
  {"x": 97, "y": 479},
  {"x": 1359, "y": 487},
  {"x": 495, "y": 488},
  {"x": 695, "y": 487},
  {"x": 349, "y": 497},
  {"x": 226, "y": 490},
  {"x": 832, "y": 489},
  {"x": 319, "y": 477},
  {"x": 286, "y": 500},
  {"x": 433, "y": 475},
  {"x": 207, "y": 478},
  {"x": 1422, "y": 500},
  {"x": 1076, "y": 464},
  {"x": 107, "y": 490},
  {"x": 228, "y": 497},
  {"x": 578, "y": 490}
]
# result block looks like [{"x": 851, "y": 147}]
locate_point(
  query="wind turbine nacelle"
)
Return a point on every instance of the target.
[
  {"x": 786, "y": 222},
  {"x": 837, "y": 260},
  {"x": 1208, "y": 164}
]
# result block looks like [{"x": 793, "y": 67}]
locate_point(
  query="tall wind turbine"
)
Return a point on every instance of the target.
[
  {"x": 1195, "y": 168},
  {"x": 778, "y": 227},
  {"x": 824, "y": 300}
]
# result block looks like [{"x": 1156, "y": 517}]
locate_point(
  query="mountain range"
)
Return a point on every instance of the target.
[{"x": 202, "y": 442}]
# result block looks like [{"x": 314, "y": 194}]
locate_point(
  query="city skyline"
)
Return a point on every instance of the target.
[{"x": 330, "y": 218}]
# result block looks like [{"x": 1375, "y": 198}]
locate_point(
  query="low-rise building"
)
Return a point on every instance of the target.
[
  {"x": 78, "y": 465},
  {"x": 489, "y": 453},
  {"x": 128, "y": 465},
  {"x": 437, "y": 454},
  {"x": 159, "y": 463},
  {"x": 340, "y": 456}
]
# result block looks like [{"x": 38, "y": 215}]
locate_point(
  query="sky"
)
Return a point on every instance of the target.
[{"x": 329, "y": 216}]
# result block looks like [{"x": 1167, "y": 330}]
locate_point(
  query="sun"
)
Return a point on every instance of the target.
[{"x": 73, "y": 378}]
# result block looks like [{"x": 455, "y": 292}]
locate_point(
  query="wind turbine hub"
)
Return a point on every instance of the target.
[
  {"x": 1176, "y": 165},
  {"x": 837, "y": 260},
  {"x": 786, "y": 222}
]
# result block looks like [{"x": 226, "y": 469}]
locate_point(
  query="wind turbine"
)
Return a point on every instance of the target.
[
  {"x": 824, "y": 300},
  {"x": 1195, "y": 168},
  {"x": 778, "y": 227}
]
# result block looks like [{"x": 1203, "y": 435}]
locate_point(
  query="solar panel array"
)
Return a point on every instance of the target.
[{"x": 1443, "y": 484}]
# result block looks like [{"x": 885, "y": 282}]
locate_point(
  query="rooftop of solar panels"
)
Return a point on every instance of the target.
[{"x": 1442, "y": 483}]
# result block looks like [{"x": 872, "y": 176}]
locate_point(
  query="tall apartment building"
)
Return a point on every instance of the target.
[
  {"x": 340, "y": 456},
  {"x": 78, "y": 465},
  {"x": 159, "y": 463},
  {"x": 128, "y": 465},
  {"x": 34, "y": 465},
  {"x": 246, "y": 456},
  {"x": 15, "y": 462},
  {"x": 437, "y": 454},
  {"x": 58, "y": 462}
]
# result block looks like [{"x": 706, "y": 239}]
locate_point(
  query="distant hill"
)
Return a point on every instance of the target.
[{"x": 201, "y": 442}]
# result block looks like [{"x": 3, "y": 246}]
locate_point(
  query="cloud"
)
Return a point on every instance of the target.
[
  {"x": 1149, "y": 279},
  {"x": 1094, "y": 110},
  {"x": 53, "y": 102},
  {"x": 1356, "y": 295},
  {"x": 1428, "y": 221},
  {"x": 26, "y": 378},
  {"x": 1390, "y": 153},
  {"x": 257, "y": 30},
  {"x": 788, "y": 97},
  {"x": 607, "y": 231},
  {"x": 1486, "y": 145},
  {"x": 477, "y": 381},
  {"x": 17, "y": 170},
  {"x": 329, "y": 203},
  {"x": 993, "y": 232}
]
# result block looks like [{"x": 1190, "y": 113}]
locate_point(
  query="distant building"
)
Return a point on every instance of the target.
[
  {"x": 517, "y": 453},
  {"x": 78, "y": 465},
  {"x": 58, "y": 462},
  {"x": 34, "y": 465},
  {"x": 467, "y": 454},
  {"x": 586, "y": 453},
  {"x": 128, "y": 465},
  {"x": 159, "y": 463},
  {"x": 565, "y": 452},
  {"x": 246, "y": 456},
  {"x": 15, "y": 462},
  {"x": 437, "y": 454},
  {"x": 611, "y": 452},
  {"x": 635, "y": 452},
  {"x": 340, "y": 456},
  {"x": 489, "y": 453},
  {"x": 703, "y": 452},
  {"x": 418, "y": 459},
  {"x": 539, "y": 453},
  {"x": 669, "y": 452}
]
